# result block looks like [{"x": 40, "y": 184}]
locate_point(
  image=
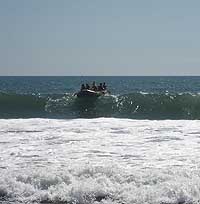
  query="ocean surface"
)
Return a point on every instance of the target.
[
  {"x": 138, "y": 145},
  {"x": 131, "y": 97}
]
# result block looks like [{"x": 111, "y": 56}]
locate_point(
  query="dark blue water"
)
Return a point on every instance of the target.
[
  {"x": 131, "y": 97},
  {"x": 117, "y": 85}
]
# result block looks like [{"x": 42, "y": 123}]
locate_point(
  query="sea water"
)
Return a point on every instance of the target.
[{"x": 140, "y": 144}]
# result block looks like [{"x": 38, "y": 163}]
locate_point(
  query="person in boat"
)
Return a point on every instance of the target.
[
  {"x": 104, "y": 86},
  {"x": 94, "y": 87},
  {"x": 100, "y": 87},
  {"x": 83, "y": 87},
  {"x": 87, "y": 86}
]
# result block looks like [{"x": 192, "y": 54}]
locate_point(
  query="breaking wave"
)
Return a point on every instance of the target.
[
  {"x": 132, "y": 105},
  {"x": 93, "y": 185}
]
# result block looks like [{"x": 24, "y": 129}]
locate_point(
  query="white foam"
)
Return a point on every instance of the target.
[{"x": 103, "y": 160}]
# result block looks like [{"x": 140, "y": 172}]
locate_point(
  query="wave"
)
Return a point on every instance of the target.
[
  {"x": 100, "y": 184},
  {"x": 132, "y": 105}
]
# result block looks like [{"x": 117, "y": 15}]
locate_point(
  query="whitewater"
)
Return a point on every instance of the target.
[
  {"x": 138, "y": 145},
  {"x": 99, "y": 160}
]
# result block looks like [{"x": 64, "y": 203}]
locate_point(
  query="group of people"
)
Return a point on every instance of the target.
[{"x": 101, "y": 87}]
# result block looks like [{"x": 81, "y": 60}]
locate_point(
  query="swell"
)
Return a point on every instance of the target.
[
  {"x": 17, "y": 105},
  {"x": 133, "y": 105}
]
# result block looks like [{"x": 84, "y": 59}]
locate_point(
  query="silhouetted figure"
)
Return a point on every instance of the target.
[
  {"x": 87, "y": 86},
  {"x": 100, "y": 87},
  {"x": 104, "y": 86},
  {"x": 82, "y": 87},
  {"x": 94, "y": 87}
]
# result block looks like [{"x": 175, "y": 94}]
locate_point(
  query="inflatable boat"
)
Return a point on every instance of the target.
[{"x": 90, "y": 93}]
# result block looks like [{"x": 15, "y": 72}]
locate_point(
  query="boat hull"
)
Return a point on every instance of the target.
[{"x": 89, "y": 93}]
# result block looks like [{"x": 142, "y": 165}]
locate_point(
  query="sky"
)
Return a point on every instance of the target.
[{"x": 99, "y": 37}]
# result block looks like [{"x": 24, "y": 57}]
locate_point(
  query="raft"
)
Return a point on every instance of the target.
[{"x": 90, "y": 93}]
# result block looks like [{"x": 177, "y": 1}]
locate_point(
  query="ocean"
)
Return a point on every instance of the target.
[{"x": 138, "y": 145}]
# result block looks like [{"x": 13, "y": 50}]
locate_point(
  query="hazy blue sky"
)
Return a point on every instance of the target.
[{"x": 99, "y": 37}]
